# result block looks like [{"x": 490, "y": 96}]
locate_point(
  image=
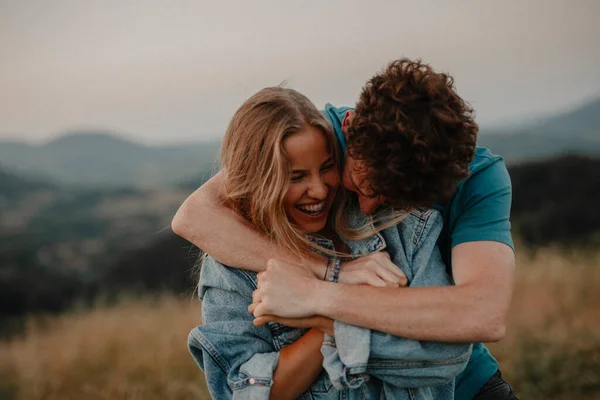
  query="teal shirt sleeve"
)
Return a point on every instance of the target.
[
  {"x": 336, "y": 116},
  {"x": 485, "y": 201}
]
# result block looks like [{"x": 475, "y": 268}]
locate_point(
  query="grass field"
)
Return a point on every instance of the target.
[{"x": 137, "y": 349}]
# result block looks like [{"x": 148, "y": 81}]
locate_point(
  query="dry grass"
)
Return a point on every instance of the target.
[
  {"x": 138, "y": 349},
  {"x": 134, "y": 351},
  {"x": 552, "y": 347}
]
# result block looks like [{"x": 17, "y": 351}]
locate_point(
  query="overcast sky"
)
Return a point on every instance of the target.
[{"x": 173, "y": 71}]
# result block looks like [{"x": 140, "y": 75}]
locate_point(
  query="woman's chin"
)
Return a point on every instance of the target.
[{"x": 311, "y": 225}]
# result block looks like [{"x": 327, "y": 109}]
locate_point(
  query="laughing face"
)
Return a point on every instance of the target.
[{"x": 314, "y": 179}]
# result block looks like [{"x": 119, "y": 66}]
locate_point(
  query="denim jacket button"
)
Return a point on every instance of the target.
[{"x": 252, "y": 381}]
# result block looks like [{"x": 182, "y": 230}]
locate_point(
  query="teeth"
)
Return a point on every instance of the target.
[{"x": 313, "y": 209}]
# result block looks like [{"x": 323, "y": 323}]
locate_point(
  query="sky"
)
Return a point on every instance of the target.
[{"x": 172, "y": 71}]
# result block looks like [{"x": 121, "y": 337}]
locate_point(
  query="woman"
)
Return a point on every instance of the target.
[{"x": 281, "y": 166}]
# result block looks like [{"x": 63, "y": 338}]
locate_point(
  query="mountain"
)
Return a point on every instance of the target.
[
  {"x": 575, "y": 131},
  {"x": 105, "y": 159},
  {"x": 99, "y": 158}
]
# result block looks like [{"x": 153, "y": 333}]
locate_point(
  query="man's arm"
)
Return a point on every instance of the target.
[
  {"x": 474, "y": 310},
  {"x": 205, "y": 221}
]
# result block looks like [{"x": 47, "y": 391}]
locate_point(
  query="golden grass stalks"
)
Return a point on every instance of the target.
[{"x": 137, "y": 350}]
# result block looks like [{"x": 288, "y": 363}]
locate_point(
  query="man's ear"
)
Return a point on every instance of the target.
[
  {"x": 346, "y": 120},
  {"x": 346, "y": 123}
]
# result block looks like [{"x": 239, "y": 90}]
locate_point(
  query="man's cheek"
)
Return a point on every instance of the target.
[{"x": 347, "y": 182}]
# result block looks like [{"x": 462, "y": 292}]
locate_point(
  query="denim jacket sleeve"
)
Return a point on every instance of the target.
[
  {"x": 238, "y": 358},
  {"x": 356, "y": 352}
]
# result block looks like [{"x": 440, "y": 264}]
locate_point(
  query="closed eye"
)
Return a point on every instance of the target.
[
  {"x": 297, "y": 178},
  {"x": 328, "y": 165}
]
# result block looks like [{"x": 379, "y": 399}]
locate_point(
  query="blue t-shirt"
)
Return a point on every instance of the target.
[{"x": 479, "y": 210}]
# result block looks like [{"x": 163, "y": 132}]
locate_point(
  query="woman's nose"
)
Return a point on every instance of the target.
[{"x": 318, "y": 189}]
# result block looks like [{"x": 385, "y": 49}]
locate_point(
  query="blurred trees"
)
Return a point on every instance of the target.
[{"x": 78, "y": 244}]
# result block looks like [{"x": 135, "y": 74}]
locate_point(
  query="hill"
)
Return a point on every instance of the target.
[
  {"x": 94, "y": 158},
  {"x": 576, "y": 131},
  {"x": 104, "y": 159}
]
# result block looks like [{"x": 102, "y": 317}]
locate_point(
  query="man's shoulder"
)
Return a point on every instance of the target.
[
  {"x": 487, "y": 172},
  {"x": 483, "y": 159}
]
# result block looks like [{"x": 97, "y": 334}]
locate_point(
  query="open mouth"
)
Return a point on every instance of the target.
[{"x": 313, "y": 210}]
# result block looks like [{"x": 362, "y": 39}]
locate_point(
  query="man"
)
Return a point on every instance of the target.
[{"x": 410, "y": 143}]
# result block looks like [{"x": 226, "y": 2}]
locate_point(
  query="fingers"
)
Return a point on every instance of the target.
[
  {"x": 387, "y": 275},
  {"x": 256, "y": 296},
  {"x": 389, "y": 271},
  {"x": 374, "y": 280},
  {"x": 259, "y": 310},
  {"x": 264, "y": 319},
  {"x": 383, "y": 259}
]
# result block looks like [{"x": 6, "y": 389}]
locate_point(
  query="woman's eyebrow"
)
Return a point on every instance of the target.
[{"x": 298, "y": 171}]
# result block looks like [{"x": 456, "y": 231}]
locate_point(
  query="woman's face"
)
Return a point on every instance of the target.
[{"x": 314, "y": 179}]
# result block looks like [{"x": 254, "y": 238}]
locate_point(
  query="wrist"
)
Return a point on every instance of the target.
[
  {"x": 318, "y": 295},
  {"x": 332, "y": 273},
  {"x": 325, "y": 298},
  {"x": 317, "y": 265}
]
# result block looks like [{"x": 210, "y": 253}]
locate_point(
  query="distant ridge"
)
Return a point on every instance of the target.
[
  {"x": 104, "y": 158},
  {"x": 573, "y": 132},
  {"x": 107, "y": 159}
]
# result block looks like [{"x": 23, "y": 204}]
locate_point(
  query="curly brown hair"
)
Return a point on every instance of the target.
[{"x": 414, "y": 135}]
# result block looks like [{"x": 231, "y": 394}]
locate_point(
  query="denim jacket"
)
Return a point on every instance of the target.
[{"x": 238, "y": 358}]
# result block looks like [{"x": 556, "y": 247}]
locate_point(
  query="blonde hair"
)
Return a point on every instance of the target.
[
  {"x": 255, "y": 167},
  {"x": 381, "y": 221}
]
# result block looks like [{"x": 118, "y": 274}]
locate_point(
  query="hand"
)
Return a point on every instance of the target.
[
  {"x": 285, "y": 290},
  {"x": 375, "y": 269},
  {"x": 324, "y": 324}
]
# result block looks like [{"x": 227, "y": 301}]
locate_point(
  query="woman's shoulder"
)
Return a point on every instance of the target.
[{"x": 214, "y": 274}]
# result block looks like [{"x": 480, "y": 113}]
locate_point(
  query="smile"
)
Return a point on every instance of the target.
[{"x": 312, "y": 209}]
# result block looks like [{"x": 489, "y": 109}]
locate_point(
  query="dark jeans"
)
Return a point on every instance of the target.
[{"x": 496, "y": 389}]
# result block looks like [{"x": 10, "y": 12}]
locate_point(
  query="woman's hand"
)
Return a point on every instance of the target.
[
  {"x": 375, "y": 269},
  {"x": 324, "y": 324}
]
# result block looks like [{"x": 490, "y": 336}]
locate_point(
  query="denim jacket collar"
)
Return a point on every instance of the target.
[
  {"x": 376, "y": 242},
  {"x": 356, "y": 219}
]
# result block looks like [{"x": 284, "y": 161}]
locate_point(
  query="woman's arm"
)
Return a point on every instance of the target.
[
  {"x": 206, "y": 222},
  {"x": 240, "y": 359},
  {"x": 300, "y": 364}
]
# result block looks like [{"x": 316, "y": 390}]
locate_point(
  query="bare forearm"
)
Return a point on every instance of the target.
[
  {"x": 206, "y": 222},
  {"x": 446, "y": 314},
  {"x": 299, "y": 365}
]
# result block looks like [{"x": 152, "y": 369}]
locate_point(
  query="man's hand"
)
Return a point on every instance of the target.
[
  {"x": 375, "y": 269},
  {"x": 289, "y": 291},
  {"x": 285, "y": 290},
  {"x": 324, "y": 324}
]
